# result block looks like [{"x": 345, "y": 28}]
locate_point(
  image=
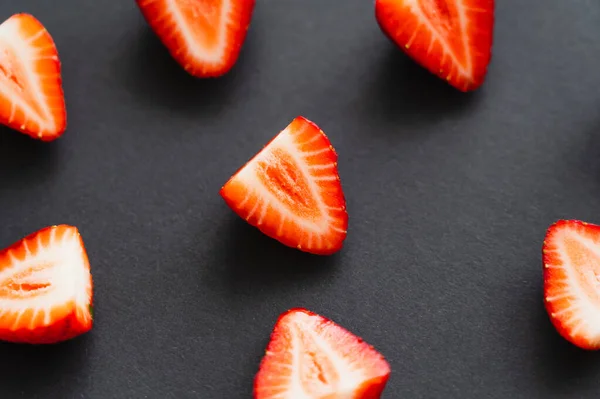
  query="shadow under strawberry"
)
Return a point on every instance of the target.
[
  {"x": 23, "y": 160},
  {"x": 37, "y": 371},
  {"x": 404, "y": 93},
  {"x": 249, "y": 262},
  {"x": 148, "y": 72}
]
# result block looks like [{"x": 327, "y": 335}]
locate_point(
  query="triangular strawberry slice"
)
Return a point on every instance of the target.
[
  {"x": 310, "y": 356},
  {"x": 571, "y": 255},
  {"x": 31, "y": 95},
  {"x": 45, "y": 287},
  {"x": 451, "y": 38},
  {"x": 204, "y": 36},
  {"x": 291, "y": 190}
]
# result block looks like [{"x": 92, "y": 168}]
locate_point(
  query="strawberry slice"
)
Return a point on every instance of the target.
[
  {"x": 450, "y": 38},
  {"x": 571, "y": 255},
  {"x": 291, "y": 190},
  {"x": 204, "y": 36},
  {"x": 310, "y": 356},
  {"x": 31, "y": 95},
  {"x": 45, "y": 287}
]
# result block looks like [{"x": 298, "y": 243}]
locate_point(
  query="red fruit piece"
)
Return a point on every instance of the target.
[
  {"x": 204, "y": 36},
  {"x": 291, "y": 190},
  {"x": 310, "y": 356},
  {"x": 450, "y": 38},
  {"x": 571, "y": 254},
  {"x": 45, "y": 287},
  {"x": 31, "y": 95}
]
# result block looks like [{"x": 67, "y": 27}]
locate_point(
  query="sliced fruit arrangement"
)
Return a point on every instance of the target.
[
  {"x": 45, "y": 287},
  {"x": 310, "y": 356},
  {"x": 571, "y": 254},
  {"x": 291, "y": 190},
  {"x": 450, "y": 38},
  {"x": 31, "y": 95},
  {"x": 204, "y": 36}
]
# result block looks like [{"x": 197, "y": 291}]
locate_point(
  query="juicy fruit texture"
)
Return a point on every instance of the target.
[
  {"x": 571, "y": 254},
  {"x": 450, "y": 38},
  {"x": 31, "y": 95},
  {"x": 45, "y": 287},
  {"x": 291, "y": 190},
  {"x": 310, "y": 356},
  {"x": 204, "y": 36}
]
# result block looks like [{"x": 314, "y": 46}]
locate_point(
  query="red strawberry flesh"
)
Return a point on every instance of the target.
[
  {"x": 450, "y": 38},
  {"x": 204, "y": 36},
  {"x": 291, "y": 190},
  {"x": 45, "y": 288},
  {"x": 310, "y": 356},
  {"x": 571, "y": 254},
  {"x": 31, "y": 94}
]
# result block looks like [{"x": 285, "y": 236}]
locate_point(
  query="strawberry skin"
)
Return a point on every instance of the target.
[
  {"x": 45, "y": 288},
  {"x": 450, "y": 38},
  {"x": 291, "y": 190},
  {"x": 31, "y": 95},
  {"x": 571, "y": 255},
  {"x": 309, "y": 356},
  {"x": 204, "y": 36}
]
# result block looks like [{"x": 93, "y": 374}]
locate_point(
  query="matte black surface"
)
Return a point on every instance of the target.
[{"x": 449, "y": 196}]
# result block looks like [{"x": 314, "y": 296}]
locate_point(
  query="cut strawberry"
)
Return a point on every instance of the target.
[
  {"x": 451, "y": 38},
  {"x": 45, "y": 288},
  {"x": 204, "y": 36},
  {"x": 310, "y": 356},
  {"x": 31, "y": 94},
  {"x": 571, "y": 255},
  {"x": 291, "y": 190}
]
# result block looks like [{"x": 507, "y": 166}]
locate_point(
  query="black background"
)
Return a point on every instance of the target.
[{"x": 449, "y": 196}]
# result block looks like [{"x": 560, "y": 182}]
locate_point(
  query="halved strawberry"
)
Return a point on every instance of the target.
[
  {"x": 45, "y": 287},
  {"x": 204, "y": 36},
  {"x": 31, "y": 95},
  {"x": 310, "y": 356},
  {"x": 291, "y": 190},
  {"x": 451, "y": 38},
  {"x": 571, "y": 254}
]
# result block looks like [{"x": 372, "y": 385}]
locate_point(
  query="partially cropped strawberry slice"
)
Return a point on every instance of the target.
[
  {"x": 45, "y": 288},
  {"x": 204, "y": 36},
  {"x": 451, "y": 38},
  {"x": 291, "y": 190},
  {"x": 571, "y": 255},
  {"x": 311, "y": 357},
  {"x": 31, "y": 94}
]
